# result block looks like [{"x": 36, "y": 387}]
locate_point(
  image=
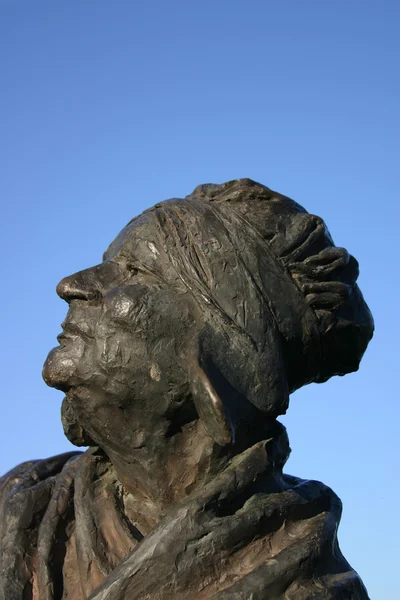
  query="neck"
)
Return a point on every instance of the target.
[{"x": 168, "y": 469}]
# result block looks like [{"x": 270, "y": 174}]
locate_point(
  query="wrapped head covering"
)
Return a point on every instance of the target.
[{"x": 268, "y": 276}]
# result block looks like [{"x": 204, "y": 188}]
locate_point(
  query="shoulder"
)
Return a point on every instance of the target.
[
  {"x": 25, "y": 497},
  {"x": 27, "y": 489},
  {"x": 26, "y": 483},
  {"x": 32, "y": 472}
]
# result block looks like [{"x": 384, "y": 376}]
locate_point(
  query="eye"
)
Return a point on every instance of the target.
[
  {"x": 133, "y": 269},
  {"x": 137, "y": 269}
]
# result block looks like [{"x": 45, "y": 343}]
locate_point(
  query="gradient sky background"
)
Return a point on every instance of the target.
[{"x": 109, "y": 107}]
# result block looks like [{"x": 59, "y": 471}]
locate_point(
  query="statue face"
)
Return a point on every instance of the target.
[
  {"x": 120, "y": 355},
  {"x": 268, "y": 305}
]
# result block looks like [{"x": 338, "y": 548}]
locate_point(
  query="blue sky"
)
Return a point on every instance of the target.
[{"x": 109, "y": 107}]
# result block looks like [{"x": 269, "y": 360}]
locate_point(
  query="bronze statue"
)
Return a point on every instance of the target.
[{"x": 178, "y": 353}]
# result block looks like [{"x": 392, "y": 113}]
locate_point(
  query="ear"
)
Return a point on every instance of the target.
[{"x": 209, "y": 405}]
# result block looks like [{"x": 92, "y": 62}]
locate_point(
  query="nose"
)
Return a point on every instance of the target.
[{"x": 89, "y": 284}]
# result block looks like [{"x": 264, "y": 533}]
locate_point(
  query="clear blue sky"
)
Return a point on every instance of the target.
[{"x": 107, "y": 107}]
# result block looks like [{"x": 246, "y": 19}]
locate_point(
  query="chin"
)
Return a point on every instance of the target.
[{"x": 59, "y": 370}]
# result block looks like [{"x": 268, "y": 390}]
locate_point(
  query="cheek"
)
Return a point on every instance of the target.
[
  {"x": 132, "y": 373},
  {"x": 125, "y": 307},
  {"x": 121, "y": 353},
  {"x": 139, "y": 339},
  {"x": 121, "y": 345}
]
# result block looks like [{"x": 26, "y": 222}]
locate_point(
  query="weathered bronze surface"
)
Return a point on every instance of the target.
[{"x": 178, "y": 353}]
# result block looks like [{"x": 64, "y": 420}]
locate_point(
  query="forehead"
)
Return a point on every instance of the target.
[{"x": 137, "y": 240}]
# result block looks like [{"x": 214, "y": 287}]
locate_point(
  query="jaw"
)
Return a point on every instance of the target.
[{"x": 73, "y": 430}]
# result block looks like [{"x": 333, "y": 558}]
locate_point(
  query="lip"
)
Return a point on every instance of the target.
[
  {"x": 71, "y": 330},
  {"x": 61, "y": 338}
]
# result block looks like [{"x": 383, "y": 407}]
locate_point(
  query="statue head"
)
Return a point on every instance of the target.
[{"x": 213, "y": 307}]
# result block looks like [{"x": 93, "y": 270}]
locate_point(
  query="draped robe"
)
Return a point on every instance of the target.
[{"x": 250, "y": 532}]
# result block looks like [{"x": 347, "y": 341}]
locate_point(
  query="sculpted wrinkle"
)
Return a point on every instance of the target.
[{"x": 178, "y": 354}]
